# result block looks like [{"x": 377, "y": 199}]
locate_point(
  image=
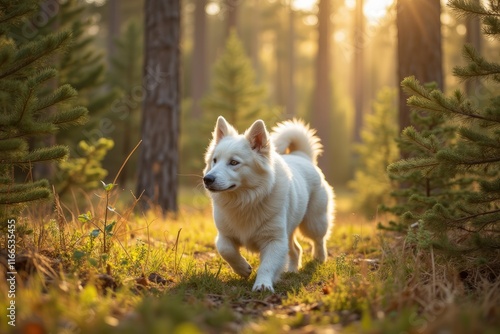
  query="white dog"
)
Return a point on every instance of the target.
[{"x": 263, "y": 187}]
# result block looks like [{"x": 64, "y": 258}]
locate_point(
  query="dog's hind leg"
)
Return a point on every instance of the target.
[
  {"x": 294, "y": 254},
  {"x": 317, "y": 223},
  {"x": 318, "y": 237}
]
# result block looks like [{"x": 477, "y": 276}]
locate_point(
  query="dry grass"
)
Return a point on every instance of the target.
[{"x": 164, "y": 275}]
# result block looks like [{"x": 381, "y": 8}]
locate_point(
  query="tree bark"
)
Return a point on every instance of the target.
[
  {"x": 199, "y": 69},
  {"x": 359, "y": 80},
  {"x": 113, "y": 27},
  {"x": 159, "y": 156},
  {"x": 419, "y": 47},
  {"x": 290, "y": 100},
  {"x": 231, "y": 9},
  {"x": 322, "y": 109},
  {"x": 255, "y": 38}
]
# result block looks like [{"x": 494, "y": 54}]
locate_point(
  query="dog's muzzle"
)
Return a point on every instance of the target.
[{"x": 208, "y": 180}]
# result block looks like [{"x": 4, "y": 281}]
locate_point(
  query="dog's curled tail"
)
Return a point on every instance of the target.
[{"x": 295, "y": 135}]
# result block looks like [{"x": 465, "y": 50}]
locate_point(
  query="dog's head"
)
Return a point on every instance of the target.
[{"x": 235, "y": 161}]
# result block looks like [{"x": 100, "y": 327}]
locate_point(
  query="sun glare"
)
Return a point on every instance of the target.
[
  {"x": 304, "y": 5},
  {"x": 375, "y": 10}
]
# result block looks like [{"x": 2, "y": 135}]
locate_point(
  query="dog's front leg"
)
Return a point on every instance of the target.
[
  {"x": 272, "y": 263},
  {"x": 231, "y": 253}
]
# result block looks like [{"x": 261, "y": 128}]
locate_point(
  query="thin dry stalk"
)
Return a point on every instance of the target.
[
  {"x": 61, "y": 220},
  {"x": 433, "y": 272},
  {"x": 175, "y": 251}
]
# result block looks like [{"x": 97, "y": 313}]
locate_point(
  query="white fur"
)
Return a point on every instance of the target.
[{"x": 264, "y": 187}]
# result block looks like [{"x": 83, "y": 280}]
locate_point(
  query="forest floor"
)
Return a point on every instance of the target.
[{"x": 163, "y": 275}]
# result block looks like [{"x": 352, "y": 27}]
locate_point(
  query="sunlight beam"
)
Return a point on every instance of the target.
[
  {"x": 374, "y": 10},
  {"x": 304, "y": 5}
]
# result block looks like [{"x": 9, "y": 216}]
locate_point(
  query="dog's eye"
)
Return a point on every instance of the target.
[
  {"x": 215, "y": 160},
  {"x": 234, "y": 163}
]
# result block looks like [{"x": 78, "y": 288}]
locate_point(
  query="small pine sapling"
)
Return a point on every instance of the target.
[
  {"x": 27, "y": 101},
  {"x": 464, "y": 219}
]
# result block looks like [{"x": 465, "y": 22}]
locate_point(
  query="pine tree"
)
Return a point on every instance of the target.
[
  {"x": 82, "y": 66},
  {"x": 376, "y": 152},
  {"x": 84, "y": 69},
  {"x": 467, "y": 220},
  {"x": 417, "y": 192},
  {"x": 234, "y": 93},
  {"x": 25, "y": 99}
]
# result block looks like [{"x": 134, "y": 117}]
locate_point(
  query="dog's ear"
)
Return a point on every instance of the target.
[
  {"x": 223, "y": 129},
  {"x": 258, "y": 137}
]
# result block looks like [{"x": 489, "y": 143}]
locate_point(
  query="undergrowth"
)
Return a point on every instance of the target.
[{"x": 108, "y": 269}]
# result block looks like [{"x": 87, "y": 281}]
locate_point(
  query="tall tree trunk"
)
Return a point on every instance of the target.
[
  {"x": 255, "y": 38},
  {"x": 290, "y": 100},
  {"x": 473, "y": 37},
  {"x": 113, "y": 27},
  {"x": 199, "y": 68},
  {"x": 359, "y": 81},
  {"x": 127, "y": 147},
  {"x": 231, "y": 12},
  {"x": 322, "y": 109},
  {"x": 280, "y": 86},
  {"x": 419, "y": 46},
  {"x": 159, "y": 156}
]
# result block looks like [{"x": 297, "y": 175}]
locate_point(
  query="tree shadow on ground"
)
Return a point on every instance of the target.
[
  {"x": 210, "y": 282},
  {"x": 293, "y": 281}
]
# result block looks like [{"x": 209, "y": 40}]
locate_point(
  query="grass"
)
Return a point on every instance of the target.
[{"x": 163, "y": 275}]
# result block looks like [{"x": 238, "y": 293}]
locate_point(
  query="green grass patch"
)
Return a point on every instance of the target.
[{"x": 163, "y": 275}]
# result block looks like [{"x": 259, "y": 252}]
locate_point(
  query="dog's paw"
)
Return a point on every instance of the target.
[
  {"x": 244, "y": 270},
  {"x": 259, "y": 287}
]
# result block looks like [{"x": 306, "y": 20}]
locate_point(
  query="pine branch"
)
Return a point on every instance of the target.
[
  {"x": 410, "y": 165},
  {"x": 15, "y": 14},
  {"x": 22, "y": 187},
  {"x": 469, "y": 8},
  {"x": 491, "y": 27},
  {"x": 24, "y": 197},
  {"x": 480, "y": 214},
  {"x": 477, "y": 66},
  {"x": 480, "y": 162},
  {"x": 435, "y": 101},
  {"x": 12, "y": 144},
  {"x": 46, "y": 154},
  {"x": 26, "y": 99},
  {"x": 61, "y": 94},
  {"x": 469, "y": 160},
  {"x": 75, "y": 116},
  {"x": 410, "y": 134},
  {"x": 37, "y": 51}
]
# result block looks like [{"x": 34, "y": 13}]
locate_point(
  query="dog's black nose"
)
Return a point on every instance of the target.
[{"x": 208, "y": 180}]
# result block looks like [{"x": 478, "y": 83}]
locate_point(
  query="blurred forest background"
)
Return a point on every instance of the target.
[
  {"x": 280, "y": 39},
  {"x": 107, "y": 107},
  {"x": 337, "y": 64}
]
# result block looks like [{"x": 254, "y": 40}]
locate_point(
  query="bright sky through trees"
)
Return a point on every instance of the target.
[{"x": 374, "y": 9}]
